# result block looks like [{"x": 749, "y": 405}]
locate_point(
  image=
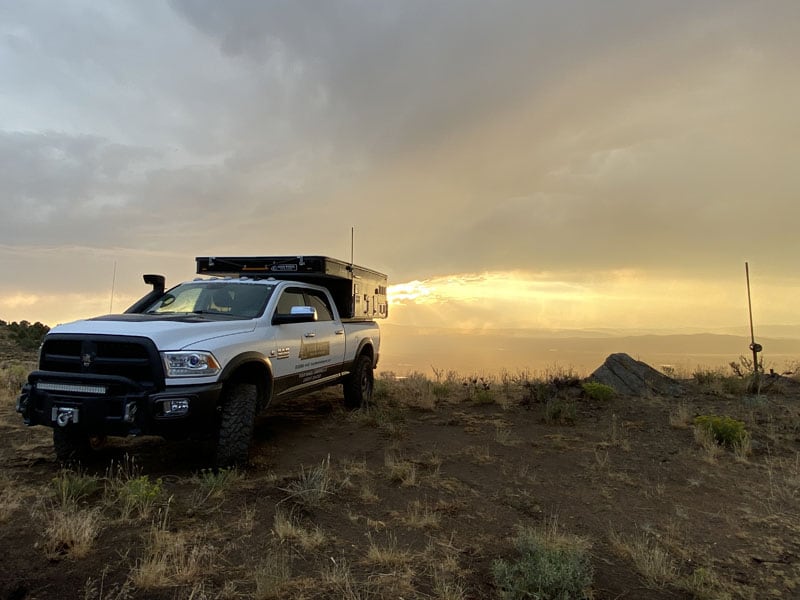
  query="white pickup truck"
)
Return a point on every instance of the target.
[{"x": 204, "y": 357}]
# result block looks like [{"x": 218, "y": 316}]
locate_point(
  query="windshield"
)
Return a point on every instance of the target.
[{"x": 227, "y": 298}]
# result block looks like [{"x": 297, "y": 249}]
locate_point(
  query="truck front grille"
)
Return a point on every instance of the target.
[{"x": 126, "y": 356}]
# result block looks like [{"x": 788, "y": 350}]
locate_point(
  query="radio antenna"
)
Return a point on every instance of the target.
[
  {"x": 352, "y": 244},
  {"x": 113, "y": 281}
]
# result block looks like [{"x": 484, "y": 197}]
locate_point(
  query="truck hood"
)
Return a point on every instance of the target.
[{"x": 168, "y": 332}]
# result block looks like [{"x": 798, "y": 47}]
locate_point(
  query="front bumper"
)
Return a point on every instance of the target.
[{"x": 112, "y": 405}]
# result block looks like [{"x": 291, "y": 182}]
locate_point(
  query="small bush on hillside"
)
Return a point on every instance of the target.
[
  {"x": 558, "y": 410},
  {"x": 549, "y": 566},
  {"x": 715, "y": 381},
  {"x": 544, "y": 389},
  {"x": 598, "y": 391},
  {"x": 726, "y": 431},
  {"x": 13, "y": 377},
  {"x": 27, "y": 336}
]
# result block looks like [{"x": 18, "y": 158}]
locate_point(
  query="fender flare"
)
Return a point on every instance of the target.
[
  {"x": 369, "y": 343},
  {"x": 245, "y": 358}
]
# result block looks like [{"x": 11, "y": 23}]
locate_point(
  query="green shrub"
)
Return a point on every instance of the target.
[
  {"x": 28, "y": 336},
  {"x": 214, "y": 482},
  {"x": 726, "y": 431},
  {"x": 558, "y": 410},
  {"x": 134, "y": 495},
  {"x": 547, "y": 568},
  {"x": 598, "y": 391},
  {"x": 71, "y": 487}
]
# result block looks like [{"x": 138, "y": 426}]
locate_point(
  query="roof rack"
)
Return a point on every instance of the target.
[{"x": 359, "y": 293}]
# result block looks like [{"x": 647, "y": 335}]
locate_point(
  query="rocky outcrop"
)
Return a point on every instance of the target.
[{"x": 632, "y": 377}]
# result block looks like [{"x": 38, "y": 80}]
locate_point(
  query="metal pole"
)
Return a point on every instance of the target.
[{"x": 756, "y": 348}]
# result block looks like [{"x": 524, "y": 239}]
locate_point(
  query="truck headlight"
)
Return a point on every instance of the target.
[{"x": 190, "y": 364}]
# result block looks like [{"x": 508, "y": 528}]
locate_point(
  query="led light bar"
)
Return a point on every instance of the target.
[{"x": 71, "y": 387}]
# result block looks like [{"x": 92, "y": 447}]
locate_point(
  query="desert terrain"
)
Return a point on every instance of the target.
[{"x": 430, "y": 493}]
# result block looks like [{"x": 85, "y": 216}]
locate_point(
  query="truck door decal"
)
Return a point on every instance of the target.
[{"x": 314, "y": 349}]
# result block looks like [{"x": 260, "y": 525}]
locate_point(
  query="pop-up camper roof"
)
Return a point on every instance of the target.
[{"x": 359, "y": 293}]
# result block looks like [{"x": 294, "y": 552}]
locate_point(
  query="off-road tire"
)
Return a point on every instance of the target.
[
  {"x": 359, "y": 385},
  {"x": 71, "y": 444},
  {"x": 237, "y": 417}
]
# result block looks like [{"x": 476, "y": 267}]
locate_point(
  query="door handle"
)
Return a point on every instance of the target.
[
  {"x": 339, "y": 332},
  {"x": 310, "y": 334}
]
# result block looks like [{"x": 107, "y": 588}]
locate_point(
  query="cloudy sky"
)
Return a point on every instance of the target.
[{"x": 568, "y": 164}]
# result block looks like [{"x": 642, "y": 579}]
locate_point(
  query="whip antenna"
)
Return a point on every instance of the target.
[{"x": 113, "y": 282}]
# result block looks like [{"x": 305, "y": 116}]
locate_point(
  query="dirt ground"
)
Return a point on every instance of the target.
[{"x": 417, "y": 498}]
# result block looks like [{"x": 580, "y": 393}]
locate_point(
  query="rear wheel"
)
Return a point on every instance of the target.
[
  {"x": 359, "y": 385},
  {"x": 236, "y": 425}
]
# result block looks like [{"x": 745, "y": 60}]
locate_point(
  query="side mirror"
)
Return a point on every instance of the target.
[{"x": 298, "y": 314}]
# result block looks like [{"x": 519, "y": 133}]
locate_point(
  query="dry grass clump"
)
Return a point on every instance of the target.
[
  {"x": 784, "y": 484},
  {"x": 387, "y": 554},
  {"x": 14, "y": 376},
  {"x": 71, "y": 527},
  {"x": 70, "y": 532},
  {"x": 617, "y": 435},
  {"x": 287, "y": 527},
  {"x": 415, "y": 391},
  {"x": 704, "y": 584},
  {"x": 338, "y": 577},
  {"x": 170, "y": 558},
  {"x": 710, "y": 448},
  {"x": 389, "y": 418},
  {"x": 96, "y": 589},
  {"x": 445, "y": 587},
  {"x": 403, "y": 472},
  {"x": 11, "y": 497},
  {"x": 312, "y": 486},
  {"x": 421, "y": 515},
  {"x": 130, "y": 492},
  {"x": 273, "y": 575},
  {"x": 681, "y": 415},
  {"x": 367, "y": 494},
  {"x": 504, "y": 436},
  {"x": 650, "y": 559}
]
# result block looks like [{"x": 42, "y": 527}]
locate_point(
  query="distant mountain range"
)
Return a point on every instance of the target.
[{"x": 411, "y": 348}]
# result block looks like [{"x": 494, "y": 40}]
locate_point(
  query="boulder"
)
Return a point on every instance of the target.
[{"x": 635, "y": 378}]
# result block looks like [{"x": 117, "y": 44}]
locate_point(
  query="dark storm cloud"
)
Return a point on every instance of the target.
[
  {"x": 391, "y": 76},
  {"x": 57, "y": 186},
  {"x": 455, "y": 136}
]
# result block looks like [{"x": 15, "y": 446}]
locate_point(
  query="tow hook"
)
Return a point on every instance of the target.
[
  {"x": 64, "y": 416},
  {"x": 130, "y": 412}
]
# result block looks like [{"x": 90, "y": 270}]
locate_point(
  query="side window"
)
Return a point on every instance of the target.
[
  {"x": 320, "y": 301},
  {"x": 289, "y": 298}
]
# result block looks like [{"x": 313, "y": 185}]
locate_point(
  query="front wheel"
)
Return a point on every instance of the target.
[
  {"x": 238, "y": 413},
  {"x": 359, "y": 385}
]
